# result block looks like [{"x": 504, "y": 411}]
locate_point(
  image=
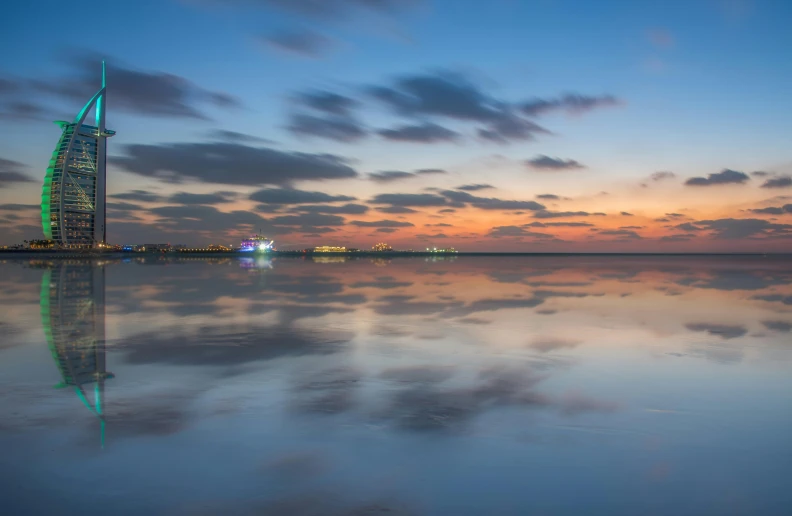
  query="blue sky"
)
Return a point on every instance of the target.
[{"x": 700, "y": 86}]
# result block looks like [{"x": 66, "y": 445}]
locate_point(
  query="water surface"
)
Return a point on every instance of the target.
[{"x": 561, "y": 385}]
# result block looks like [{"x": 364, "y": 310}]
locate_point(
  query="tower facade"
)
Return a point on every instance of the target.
[{"x": 73, "y": 210}]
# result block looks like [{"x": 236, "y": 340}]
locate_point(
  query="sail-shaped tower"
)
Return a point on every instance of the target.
[{"x": 73, "y": 197}]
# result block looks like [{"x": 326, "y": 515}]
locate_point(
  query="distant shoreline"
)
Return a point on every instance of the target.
[{"x": 69, "y": 253}]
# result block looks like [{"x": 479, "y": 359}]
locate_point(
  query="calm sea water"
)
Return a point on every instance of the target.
[{"x": 469, "y": 386}]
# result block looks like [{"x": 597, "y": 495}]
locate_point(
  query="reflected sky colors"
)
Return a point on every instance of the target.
[
  {"x": 468, "y": 385},
  {"x": 505, "y": 125}
]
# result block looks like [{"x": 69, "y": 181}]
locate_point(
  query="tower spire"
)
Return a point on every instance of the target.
[{"x": 101, "y": 101}]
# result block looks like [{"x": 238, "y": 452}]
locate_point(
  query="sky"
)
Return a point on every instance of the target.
[{"x": 506, "y": 125}]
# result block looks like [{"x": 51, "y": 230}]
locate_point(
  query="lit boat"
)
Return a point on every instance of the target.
[{"x": 258, "y": 243}]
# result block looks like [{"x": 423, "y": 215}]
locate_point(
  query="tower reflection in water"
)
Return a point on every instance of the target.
[{"x": 73, "y": 318}]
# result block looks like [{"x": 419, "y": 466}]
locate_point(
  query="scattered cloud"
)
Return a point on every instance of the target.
[
  {"x": 381, "y": 224},
  {"x": 139, "y": 92},
  {"x": 390, "y": 176},
  {"x": 661, "y": 176},
  {"x": 474, "y": 187},
  {"x": 229, "y": 163},
  {"x": 548, "y": 197},
  {"x": 744, "y": 228},
  {"x": 723, "y": 331},
  {"x": 779, "y": 326},
  {"x": 11, "y": 172},
  {"x": 293, "y": 196},
  {"x": 396, "y": 210},
  {"x": 517, "y": 231},
  {"x": 774, "y": 210},
  {"x": 399, "y": 199},
  {"x": 345, "y": 209},
  {"x": 302, "y": 42},
  {"x": 626, "y": 214},
  {"x": 192, "y": 198},
  {"x": 623, "y": 234},
  {"x": 723, "y": 177},
  {"x": 542, "y": 162},
  {"x": 327, "y": 102},
  {"x": 570, "y": 103},
  {"x": 327, "y": 9},
  {"x": 490, "y": 203},
  {"x": 138, "y": 195},
  {"x": 778, "y": 182},
  {"x": 548, "y": 214},
  {"x": 422, "y": 133},
  {"x": 340, "y": 129}
]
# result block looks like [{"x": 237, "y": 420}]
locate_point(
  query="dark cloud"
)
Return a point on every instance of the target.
[
  {"x": 431, "y": 171},
  {"x": 381, "y": 224},
  {"x": 399, "y": 199},
  {"x": 778, "y": 182},
  {"x": 294, "y": 196},
  {"x": 144, "y": 93},
  {"x": 422, "y": 133},
  {"x": 660, "y": 176},
  {"x": 454, "y": 96},
  {"x": 138, "y": 195},
  {"x": 759, "y": 173},
  {"x": 396, "y": 210},
  {"x": 447, "y": 210},
  {"x": 774, "y": 298},
  {"x": 13, "y": 109},
  {"x": 516, "y": 231},
  {"x": 302, "y": 42},
  {"x": 538, "y": 224},
  {"x": 625, "y": 214},
  {"x": 474, "y": 187},
  {"x": 542, "y": 162},
  {"x": 684, "y": 237},
  {"x": 235, "y": 137},
  {"x": 386, "y": 230},
  {"x": 721, "y": 330},
  {"x": 18, "y": 207},
  {"x": 123, "y": 206},
  {"x": 443, "y": 94},
  {"x": 723, "y": 177},
  {"x": 341, "y": 129},
  {"x": 390, "y": 175},
  {"x": 774, "y": 210},
  {"x": 688, "y": 226},
  {"x": 490, "y": 203},
  {"x": 439, "y": 225},
  {"x": 229, "y": 163},
  {"x": 11, "y": 172},
  {"x": 547, "y": 214},
  {"x": 779, "y": 326},
  {"x": 326, "y": 102},
  {"x": 346, "y": 209},
  {"x": 192, "y": 198},
  {"x": 549, "y": 197},
  {"x": 203, "y": 218},
  {"x": 570, "y": 103},
  {"x": 623, "y": 234},
  {"x": 328, "y": 9},
  {"x": 743, "y": 228},
  {"x": 511, "y": 128}
]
